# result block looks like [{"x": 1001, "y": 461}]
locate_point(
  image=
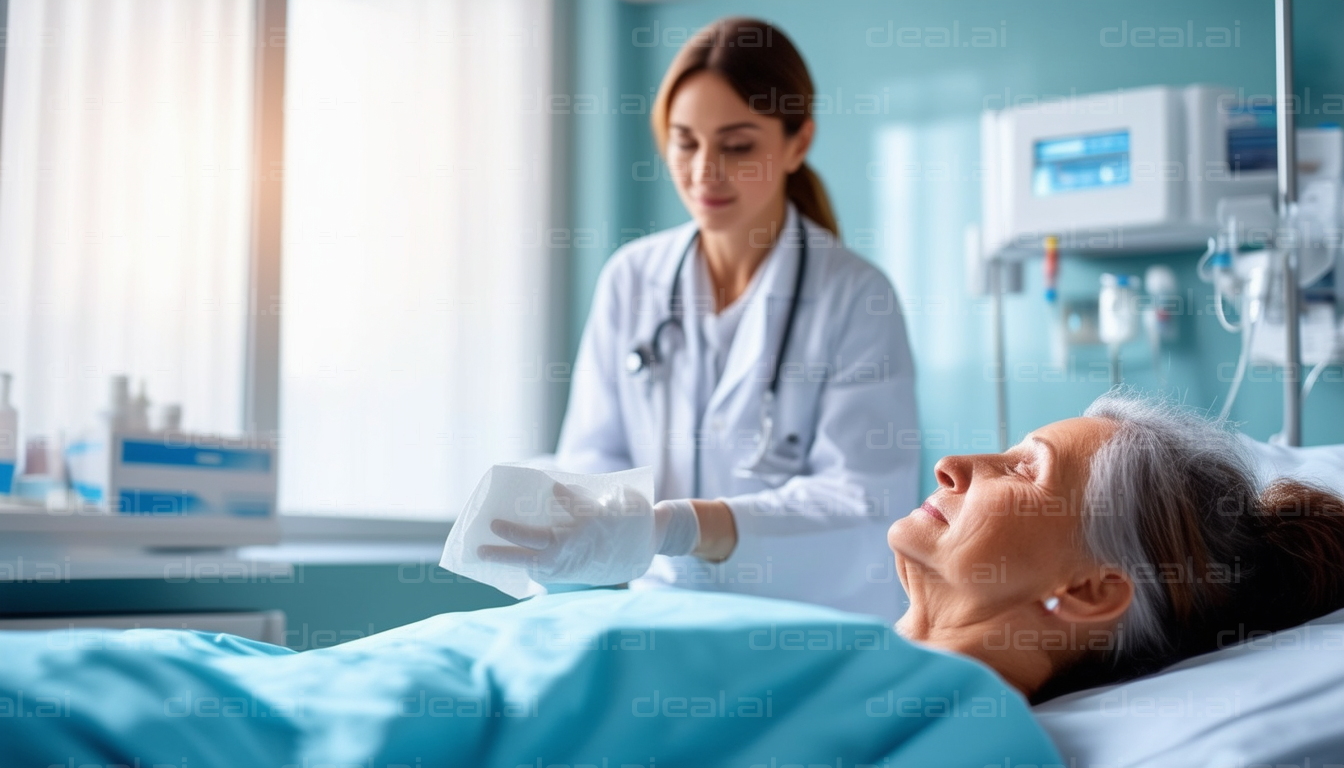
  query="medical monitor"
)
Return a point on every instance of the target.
[
  {"x": 1076, "y": 163},
  {"x": 1120, "y": 171}
]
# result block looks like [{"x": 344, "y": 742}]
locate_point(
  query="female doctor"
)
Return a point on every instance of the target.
[{"x": 760, "y": 367}]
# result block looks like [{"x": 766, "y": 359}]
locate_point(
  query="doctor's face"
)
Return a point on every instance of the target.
[
  {"x": 729, "y": 163},
  {"x": 1002, "y": 530}
]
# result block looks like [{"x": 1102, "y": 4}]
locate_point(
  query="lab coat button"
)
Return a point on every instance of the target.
[{"x": 717, "y": 424}]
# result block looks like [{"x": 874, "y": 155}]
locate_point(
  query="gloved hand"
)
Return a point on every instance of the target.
[{"x": 595, "y": 541}]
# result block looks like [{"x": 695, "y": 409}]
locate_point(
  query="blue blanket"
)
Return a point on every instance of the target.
[{"x": 601, "y": 678}]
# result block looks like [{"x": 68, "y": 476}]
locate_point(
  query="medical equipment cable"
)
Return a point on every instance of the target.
[
  {"x": 1316, "y": 371},
  {"x": 1222, "y": 314},
  {"x": 1243, "y": 360},
  {"x": 1221, "y": 253},
  {"x": 1312, "y": 377},
  {"x": 1255, "y": 296}
]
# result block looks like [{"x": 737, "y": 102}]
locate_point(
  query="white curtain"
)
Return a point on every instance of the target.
[
  {"x": 125, "y": 192},
  {"x": 415, "y": 281}
]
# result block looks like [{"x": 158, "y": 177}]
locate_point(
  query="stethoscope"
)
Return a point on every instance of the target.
[{"x": 772, "y": 467}]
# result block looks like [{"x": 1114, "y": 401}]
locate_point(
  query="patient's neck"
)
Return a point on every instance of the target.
[{"x": 1008, "y": 642}]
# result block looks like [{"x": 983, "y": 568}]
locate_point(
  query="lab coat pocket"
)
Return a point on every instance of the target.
[{"x": 794, "y": 430}]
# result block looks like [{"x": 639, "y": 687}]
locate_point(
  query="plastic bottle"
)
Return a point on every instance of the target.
[
  {"x": 1117, "y": 309},
  {"x": 9, "y": 436},
  {"x": 138, "y": 418},
  {"x": 119, "y": 405},
  {"x": 171, "y": 418},
  {"x": 1160, "y": 282}
]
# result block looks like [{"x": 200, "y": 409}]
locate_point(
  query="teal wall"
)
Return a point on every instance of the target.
[
  {"x": 931, "y": 100},
  {"x": 911, "y": 224}
]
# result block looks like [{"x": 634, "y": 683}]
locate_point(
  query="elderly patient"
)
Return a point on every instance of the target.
[
  {"x": 1110, "y": 545},
  {"x": 1101, "y": 547}
]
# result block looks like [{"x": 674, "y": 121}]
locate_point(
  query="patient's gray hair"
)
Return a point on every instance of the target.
[
  {"x": 1172, "y": 500},
  {"x": 1167, "y": 501}
]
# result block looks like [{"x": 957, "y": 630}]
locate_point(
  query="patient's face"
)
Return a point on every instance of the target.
[{"x": 1001, "y": 531}]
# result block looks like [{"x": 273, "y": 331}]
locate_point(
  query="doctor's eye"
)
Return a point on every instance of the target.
[{"x": 737, "y": 149}]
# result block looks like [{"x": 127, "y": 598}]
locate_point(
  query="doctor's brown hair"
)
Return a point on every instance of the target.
[{"x": 760, "y": 63}]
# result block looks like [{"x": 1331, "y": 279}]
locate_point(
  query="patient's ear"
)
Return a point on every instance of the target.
[{"x": 1099, "y": 595}]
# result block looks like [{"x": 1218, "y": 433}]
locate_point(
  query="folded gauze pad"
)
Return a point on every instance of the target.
[{"x": 526, "y": 495}]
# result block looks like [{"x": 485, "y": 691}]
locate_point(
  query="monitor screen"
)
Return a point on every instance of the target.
[
  {"x": 1075, "y": 163},
  {"x": 1252, "y": 138}
]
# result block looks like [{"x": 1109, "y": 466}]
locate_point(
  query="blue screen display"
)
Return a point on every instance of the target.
[
  {"x": 1252, "y": 138},
  {"x": 1075, "y": 163}
]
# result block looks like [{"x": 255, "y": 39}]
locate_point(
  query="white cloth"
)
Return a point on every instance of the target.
[
  {"x": 846, "y": 396},
  {"x": 519, "y": 494}
]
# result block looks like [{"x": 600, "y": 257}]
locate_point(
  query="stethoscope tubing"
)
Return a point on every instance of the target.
[
  {"x": 675, "y": 314},
  {"x": 650, "y": 356}
]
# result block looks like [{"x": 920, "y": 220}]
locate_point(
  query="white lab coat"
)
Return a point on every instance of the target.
[{"x": 846, "y": 390}]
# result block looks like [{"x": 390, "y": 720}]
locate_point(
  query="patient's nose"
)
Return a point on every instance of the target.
[{"x": 953, "y": 473}]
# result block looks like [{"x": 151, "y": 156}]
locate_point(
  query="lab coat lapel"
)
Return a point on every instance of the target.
[
  {"x": 681, "y": 394},
  {"x": 757, "y": 339}
]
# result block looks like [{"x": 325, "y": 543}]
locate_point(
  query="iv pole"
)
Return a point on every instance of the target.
[
  {"x": 995, "y": 267},
  {"x": 1287, "y": 165},
  {"x": 1287, "y": 174}
]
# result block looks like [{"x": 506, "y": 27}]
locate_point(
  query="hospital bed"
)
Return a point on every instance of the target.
[{"x": 437, "y": 687}]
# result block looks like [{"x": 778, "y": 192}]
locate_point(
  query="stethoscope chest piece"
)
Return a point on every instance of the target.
[{"x": 640, "y": 359}]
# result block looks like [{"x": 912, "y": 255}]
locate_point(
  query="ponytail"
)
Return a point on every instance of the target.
[
  {"x": 1298, "y": 559},
  {"x": 805, "y": 190}
]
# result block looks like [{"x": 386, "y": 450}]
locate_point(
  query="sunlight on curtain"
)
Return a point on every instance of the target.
[
  {"x": 925, "y": 195},
  {"x": 125, "y": 193},
  {"x": 414, "y": 278}
]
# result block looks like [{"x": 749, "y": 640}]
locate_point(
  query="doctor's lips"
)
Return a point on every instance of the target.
[
  {"x": 933, "y": 512},
  {"x": 714, "y": 202}
]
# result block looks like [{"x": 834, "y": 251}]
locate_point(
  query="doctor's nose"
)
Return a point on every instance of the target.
[
  {"x": 706, "y": 168},
  {"x": 954, "y": 473}
]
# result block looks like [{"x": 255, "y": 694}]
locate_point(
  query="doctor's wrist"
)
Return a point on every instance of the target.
[{"x": 718, "y": 530}]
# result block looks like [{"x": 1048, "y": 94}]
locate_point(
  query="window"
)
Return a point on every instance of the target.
[
  {"x": 125, "y": 207},
  {"x": 414, "y": 315},
  {"x": 415, "y": 281}
]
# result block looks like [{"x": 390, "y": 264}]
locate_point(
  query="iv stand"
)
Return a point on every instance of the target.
[
  {"x": 995, "y": 266},
  {"x": 1287, "y": 166}
]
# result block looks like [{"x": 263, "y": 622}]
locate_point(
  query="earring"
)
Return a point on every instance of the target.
[{"x": 1051, "y": 603}]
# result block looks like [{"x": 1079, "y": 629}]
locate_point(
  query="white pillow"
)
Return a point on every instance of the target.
[
  {"x": 1271, "y": 700},
  {"x": 1321, "y": 465}
]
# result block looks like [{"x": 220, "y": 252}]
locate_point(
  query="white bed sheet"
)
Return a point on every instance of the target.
[
  {"x": 1319, "y": 464},
  {"x": 1276, "y": 700}
]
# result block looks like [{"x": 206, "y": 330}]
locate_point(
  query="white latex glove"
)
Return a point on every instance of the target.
[{"x": 594, "y": 541}]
